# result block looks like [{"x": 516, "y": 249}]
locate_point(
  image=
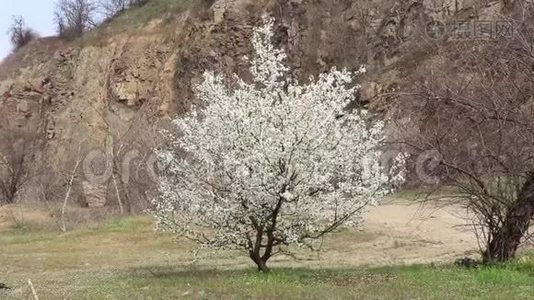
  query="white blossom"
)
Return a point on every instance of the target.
[{"x": 271, "y": 162}]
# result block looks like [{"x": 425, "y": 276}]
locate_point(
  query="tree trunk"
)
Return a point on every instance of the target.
[
  {"x": 260, "y": 262},
  {"x": 503, "y": 246},
  {"x": 255, "y": 253}
]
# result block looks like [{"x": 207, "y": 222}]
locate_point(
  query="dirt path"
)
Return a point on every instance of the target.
[
  {"x": 413, "y": 233},
  {"x": 399, "y": 232}
]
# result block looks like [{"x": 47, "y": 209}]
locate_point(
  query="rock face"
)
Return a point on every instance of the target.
[
  {"x": 94, "y": 195},
  {"x": 125, "y": 85}
]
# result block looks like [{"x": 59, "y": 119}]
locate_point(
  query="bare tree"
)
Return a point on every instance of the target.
[
  {"x": 111, "y": 8},
  {"x": 19, "y": 33},
  {"x": 73, "y": 17},
  {"x": 132, "y": 164},
  {"x": 15, "y": 154},
  {"x": 131, "y": 157},
  {"x": 70, "y": 182},
  {"x": 474, "y": 106}
]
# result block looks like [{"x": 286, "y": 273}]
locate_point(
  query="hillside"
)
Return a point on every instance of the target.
[{"x": 113, "y": 88}]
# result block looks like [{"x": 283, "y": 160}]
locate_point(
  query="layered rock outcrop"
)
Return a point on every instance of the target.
[{"x": 124, "y": 85}]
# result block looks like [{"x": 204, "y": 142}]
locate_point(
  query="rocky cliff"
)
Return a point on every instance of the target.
[{"x": 112, "y": 89}]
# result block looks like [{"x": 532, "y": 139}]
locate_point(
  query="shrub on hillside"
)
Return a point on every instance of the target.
[
  {"x": 19, "y": 33},
  {"x": 74, "y": 17},
  {"x": 112, "y": 8}
]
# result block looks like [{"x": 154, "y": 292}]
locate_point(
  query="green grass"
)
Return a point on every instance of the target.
[
  {"x": 125, "y": 259},
  {"x": 408, "y": 282},
  {"x": 136, "y": 17}
]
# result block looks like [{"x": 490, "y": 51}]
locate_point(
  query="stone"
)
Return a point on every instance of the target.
[
  {"x": 23, "y": 107},
  {"x": 94, "y": 194},
  {"x": 467, "y": 262}
]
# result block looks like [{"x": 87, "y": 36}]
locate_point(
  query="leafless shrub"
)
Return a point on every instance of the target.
[
  {"x": 20, "y": 34},
  {"x": 133, "y": 164},
  {"x": 129, "y": 152},
  {"x": 15, "y": 155},
  {"x": 112, "y": 8},
  {"x": 74, "y": 17},
  {"x": 474, "y": 106}
]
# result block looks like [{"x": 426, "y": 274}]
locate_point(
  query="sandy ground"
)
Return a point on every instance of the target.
[
  {"x": 400, "y": 232},
  {"x": 411, "y": 233}
]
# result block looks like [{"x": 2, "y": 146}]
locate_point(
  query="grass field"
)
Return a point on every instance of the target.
[{"x": 125, "y": 259}]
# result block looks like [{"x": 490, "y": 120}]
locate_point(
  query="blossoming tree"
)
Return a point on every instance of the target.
[{"x": 270, "y": 163}]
